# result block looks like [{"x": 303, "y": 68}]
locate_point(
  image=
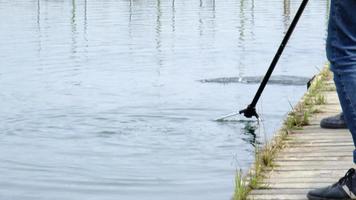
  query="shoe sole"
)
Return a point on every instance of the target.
[{"x": 321, "y": 198}]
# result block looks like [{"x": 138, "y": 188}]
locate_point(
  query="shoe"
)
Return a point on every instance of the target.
[
  {"x": 334, "y": 122},
  {"x": 344, "y": 189}
]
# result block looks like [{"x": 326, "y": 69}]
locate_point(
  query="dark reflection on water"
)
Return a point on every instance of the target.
[
  {"x": 250, "y": 131},
  {"x": 100, "y": 99}
]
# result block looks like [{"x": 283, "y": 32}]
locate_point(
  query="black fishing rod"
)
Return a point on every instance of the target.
[{"x": 250, "y": 111}]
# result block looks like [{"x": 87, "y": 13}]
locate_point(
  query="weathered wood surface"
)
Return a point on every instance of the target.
[{"x": 313, "y": 157}]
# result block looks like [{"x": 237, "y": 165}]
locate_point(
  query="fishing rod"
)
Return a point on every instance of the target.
[{"x": 250, "y": 111}]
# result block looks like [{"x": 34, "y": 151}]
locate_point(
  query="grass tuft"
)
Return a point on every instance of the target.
[{"x": 241, "y": 187}]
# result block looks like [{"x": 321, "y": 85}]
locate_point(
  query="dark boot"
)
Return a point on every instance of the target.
[
  {"x": 344, "y": 189},
  {"x": 334, "y": 122}
]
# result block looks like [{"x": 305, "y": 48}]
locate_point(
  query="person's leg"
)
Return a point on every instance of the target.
[
  {"x": 345, "y": 82},
  {"x": 341, "y": 52}
]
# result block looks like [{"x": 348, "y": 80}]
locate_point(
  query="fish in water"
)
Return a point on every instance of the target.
[{"x": 277, "y": 80}]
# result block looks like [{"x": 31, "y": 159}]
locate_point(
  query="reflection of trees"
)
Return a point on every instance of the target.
[
  {"x": 286, "y": 13},
  {"x": 39, "y": 27},
  {"x": 85, "y": 28},
  {"x": 74, "y": 28},
  {"x": 173, "y": 16},
  {"x": 286, "y": 7},
  {"x": 159, "y": 38},
  {"x": 130, "y": 11},
  {"x": 85, "y": 19},
  {"x": 158, "y": 26},
  {"x": 241, "y": 38},
  {"x": 38, "y": 12}
]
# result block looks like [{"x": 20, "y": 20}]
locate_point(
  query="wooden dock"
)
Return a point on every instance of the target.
[{"x": 314, "y": 157}]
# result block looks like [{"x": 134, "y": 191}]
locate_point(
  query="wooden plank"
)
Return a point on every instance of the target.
[
  {"x": 300, "y": 180},
  {"x": 296, "y": 185},
  {"x": 315, "y": 156},
  {"x": 302, "y": 158},
  {"x": 320, "y": 144},
  {"x": 279, "y": 191},
  {"x": 277, "y": 174},
  {"x": 313, "y": 163},
  {"x": 278, "y": 197}
]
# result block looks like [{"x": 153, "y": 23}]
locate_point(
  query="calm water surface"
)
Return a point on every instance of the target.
[{"x": 100, "y": 99}]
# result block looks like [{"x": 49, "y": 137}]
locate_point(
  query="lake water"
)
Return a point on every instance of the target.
[{"x": 101, "y": 99}]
